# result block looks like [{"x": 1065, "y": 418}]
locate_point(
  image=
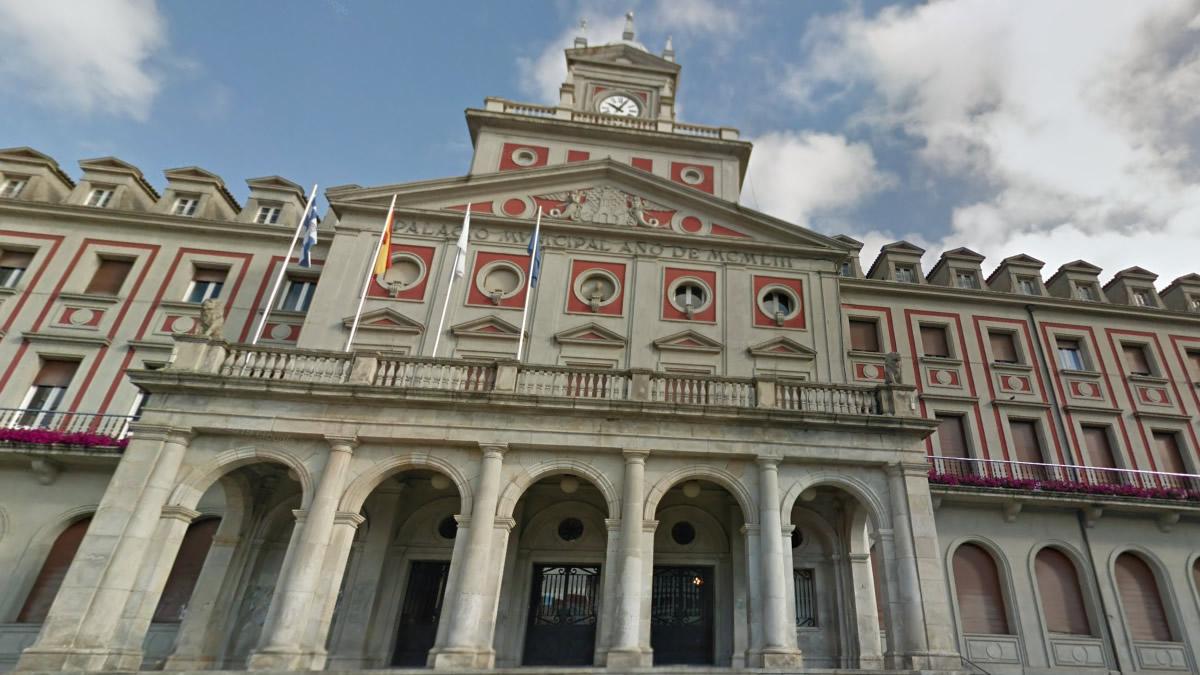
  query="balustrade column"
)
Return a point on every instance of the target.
[
  {"x": 285, "y": 647},
  {"x": 627, "y": 650},
  {"x": 779, "y": 648},
  {"x": 466, "y": 612}
]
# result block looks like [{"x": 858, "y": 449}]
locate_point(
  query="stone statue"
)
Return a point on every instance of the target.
[
  {"x": 212, "y": 319},
  {"x": 638, "y": 210},
  {"x": 891, "y": 369},
  {"x": 572, "y": 209}
]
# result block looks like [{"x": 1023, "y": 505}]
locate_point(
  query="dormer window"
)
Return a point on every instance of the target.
[
  {"x": 12, "y": 187},
  {"x": 905, "y": 274},
  {"x": 846, "y": 270},
  {"x": 965, "y": 280},
  {"x": 185, "y": 206},
  {"x": 268, "y": 215},
  {"x": 1084, "y": 292},
  {"x": 99, "y": 197},
  {"x": 1028, "y": 286},
  {"x": 1141, "y": 297}
]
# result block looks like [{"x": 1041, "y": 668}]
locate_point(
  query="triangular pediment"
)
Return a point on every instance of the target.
[
  {"x": 1136, "y": 273},
  {"x": 275, "y": 183},
  {"x": 490, "y": 326},
  {"x": 689, "y": 341},
  {"x": 903, "y": 247},
  {"x": 590, "y": 334},
  {"x": 1081, "y": 266},
  {"x": 782, "y": 347},
  {"x": 386, "y": 319},
  {"x": 602, "y": 194},
  {"x": 193, "y": 173},
  {"x": 1023, "y": 260},
  {"x": 621, "y": 54}
]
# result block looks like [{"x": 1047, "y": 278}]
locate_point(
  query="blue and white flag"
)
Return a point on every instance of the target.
[
  {"x": 310, "y": 235},
  {"x": 535, "y": 255}
]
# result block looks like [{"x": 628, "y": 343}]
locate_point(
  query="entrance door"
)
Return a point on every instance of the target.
[
  {"x": 681, "y": 611},
  {"x": 562, "y": 616},
  {"x": 419, "y": 615}
]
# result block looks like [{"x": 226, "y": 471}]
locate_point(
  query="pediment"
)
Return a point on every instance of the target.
[
  {"x": 1136, "y": 273},
  {"x": 620, "y": 54},
  {"x": 904, "y": 247},
  {"x": 689, "y": 341},
  {"x": 1024, "y": 260},
  {"x": 109, "y": 164},
  {"x": 192, "y": 173},
  {"x": 590, "y": 334},
  {"x": 490, "y": 326},
  {"x": 782, "y": 347},
  {"x": 1081, "y": 266},
  {"x": 963, "y": 253},
  {"x": 385, "y": 319},
  {"x": 275, "y": 183}
]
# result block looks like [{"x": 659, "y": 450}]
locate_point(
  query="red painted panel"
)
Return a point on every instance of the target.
[
  {"x": 705, "y": 185},
  {"x": 944, "y": 377},
  {"x": 760, "y": 317},
  {"x": 614, "y": 308},
  {"x": 476, "y": 207},
  {"x": 87, "y": 316},
  {"x": 478, "y": 298},
  {"x": 870, "y": 372},
  {"x": 578, "y": 156},
  {"x": 1015, "y": 383},
  {"x": 722, "y": 231},
  {"x": 292, "y": 333},
  {"x": 708, "y": 314},
  {"x": 417, "y": 292},
  {"x": 691, "y": 224},
  {"x": 514, "y": 207},
  {"x": 642, "y": 163},
  {"x": 541, "y": 156}
]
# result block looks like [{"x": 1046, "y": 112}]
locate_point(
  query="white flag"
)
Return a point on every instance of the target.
[{"x": 460, "y": 260}]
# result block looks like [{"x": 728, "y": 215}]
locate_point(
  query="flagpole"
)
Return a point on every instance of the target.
[
  {"x": 262, "y": 322},
  {"x": 362, "y": 298},
  {"x": 458, "y": 252},
  {"x": 537, "y": 229}
]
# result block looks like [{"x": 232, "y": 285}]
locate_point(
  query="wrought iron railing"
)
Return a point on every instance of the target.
[
  {"x": 29, "y": 426},
  {"x": 1063, "y": 478}
]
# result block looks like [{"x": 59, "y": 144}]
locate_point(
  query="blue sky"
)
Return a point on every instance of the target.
[{"x": 959, "y": 122}]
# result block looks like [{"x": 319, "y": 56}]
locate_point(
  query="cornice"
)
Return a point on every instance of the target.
[
  {"x": 146, "y": 219},
  {"x": 65, "y": 338}
]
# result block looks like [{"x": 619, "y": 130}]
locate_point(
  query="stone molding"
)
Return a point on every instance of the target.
[{"x": 177, "y": 512}]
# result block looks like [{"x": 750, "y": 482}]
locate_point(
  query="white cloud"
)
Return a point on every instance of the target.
[
  {"x": 694, "y": 17},
  {"x": 796, "y": 175},
  {"x": 82, "y": 56},
  {"x": 1079, "y": 121},
  {"x": 542, "y": 75}
]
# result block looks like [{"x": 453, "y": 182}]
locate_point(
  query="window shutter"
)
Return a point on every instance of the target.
[
  {"x": 54, "y": 569},
  {"x": 209, "y": 274},
  {"x": 55, "y": 373},
  {"x": 952, "y": 438},
  {"x": 1135, "y": 359},
  {"x": 1004, "y": 350},
  {"x": 1062, "y": 599},
  {"x": 1099, "y": 450},
  {"x": 19, "y": 259},
  {"x": 109, "y": 276},
  {"x": 186, "y": 571},
  {"x": 933, "y": 341},
  {"x": 1166, "y": 453},
  {"x": 1025, "y": 440},
  {"x": 977, "y": 587},
  {"x": 1141, "y": 600},
  {"x": 864, "y": 335}
]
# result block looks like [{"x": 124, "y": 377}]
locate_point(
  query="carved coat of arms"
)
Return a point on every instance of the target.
[{"x": 605, "y": 204}]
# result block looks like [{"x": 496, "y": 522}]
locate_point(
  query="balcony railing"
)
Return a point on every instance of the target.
[
  {"x": 665, "y": 125},
  {"x": 1063, "y": 478},
  {"x": 554, "y": 382},
  {"x": 23, "y": 426}
]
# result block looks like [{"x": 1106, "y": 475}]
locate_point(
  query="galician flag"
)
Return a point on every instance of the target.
[
  {"x": 310, "y": 235},
  {"x": 460, "y": 260},
  {"x": 535, "y": 253}
]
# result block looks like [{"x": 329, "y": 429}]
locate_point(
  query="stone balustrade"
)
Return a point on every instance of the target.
[{"x": 493, "y": 104}]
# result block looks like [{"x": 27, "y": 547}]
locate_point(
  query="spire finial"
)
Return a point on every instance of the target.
[
  {"x": 581, "y": 39},
  {"x": 628, "y": 34},
  {"x": 669, "y": 50}
]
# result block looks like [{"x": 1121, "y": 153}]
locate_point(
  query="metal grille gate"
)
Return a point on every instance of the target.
[
  {"x": 420, "y": 613},
  {"x": 562, "y": 616},
  {"x": 681, "y": 616}
]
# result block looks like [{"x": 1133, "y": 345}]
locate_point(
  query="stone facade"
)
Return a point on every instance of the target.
[{"x": 723, "y": 443}]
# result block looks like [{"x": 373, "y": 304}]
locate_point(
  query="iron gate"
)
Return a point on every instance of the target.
[
  {"x": 419, "y": 615},
  {"x": 562, "y": 616},
  {"x": 681, "y": 615}
]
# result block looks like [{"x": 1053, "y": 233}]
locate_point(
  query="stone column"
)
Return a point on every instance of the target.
[
  {"x": 285, "y": 647},
  {"x": 468, "y": 609},
  {"x": 779, "y": 648},
  {"x": 363, "y": 597},
  {"x": 345, "y": 524},
  {"x": 501, "y": 529},
  {"x": 81, "y": 630},
  {"x": 870, "y": 649},
  {"x": 626, "y": 651},
  {"x": 208, "y": 612},
  {"x": 751, "y": 534}
]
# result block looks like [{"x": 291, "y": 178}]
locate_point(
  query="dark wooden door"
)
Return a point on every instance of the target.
[
  {"x": 681, "y": 616},
  {"x": 562, "y": 616},
  {"x": 420, "y": 612}
]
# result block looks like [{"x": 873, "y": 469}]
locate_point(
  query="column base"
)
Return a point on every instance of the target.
[
  {"x": 459, "y": 658},
  {"x": 43, "y": 659},
  {"x": 274, "y": 658},
  {"x": 773, "y": 657},
  {"x": 622, "y": 659}
]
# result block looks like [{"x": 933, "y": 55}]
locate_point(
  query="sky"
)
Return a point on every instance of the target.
[{"x": 1065, "y": 130}]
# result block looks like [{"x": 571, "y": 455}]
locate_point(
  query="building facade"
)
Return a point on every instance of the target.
[{"x": 722, "y": 442}]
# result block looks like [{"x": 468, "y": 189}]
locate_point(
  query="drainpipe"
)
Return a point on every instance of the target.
[{"x": 1059, "y": 425}]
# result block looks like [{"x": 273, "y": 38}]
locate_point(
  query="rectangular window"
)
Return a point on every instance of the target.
[
  {"x": 905, "y": 274},
  {"x": 185, "y": 206},
  {"x": 846, "y": 270},
  {"x": 268, "y": 215},
  {"x": 1028, "y": 286},
  {"x": 1166, "y": 452},
  {"x": 864, "y": 335},
  {"x": 46, "y": 392},
  {"x": 1099, "y": 450},
  {"x": 206, "y": 284},
  {"x": 298, "y": 295},
  {"x": 109, "y": 277},
  {"x": 1070, "y": 356},
  {"x": 12, "y": 266},
  {"x": 100, "y": 197},
  {"x": 1193, "y": 303},
  {"x": 806, "y": 596},
  {"x": 1136, "y": 362},
  {"x": 952, "y": 436},
  {"x": 933, "y": 341},
  {"x": 1085, "y": 292},
  {"x": 965, "y": 280},
  {"x": 1193, "y": 359},
  {"x": 12, "y": 187},
  {"x": 1026, "y": 442},
  {"x": 1141, "y": 298},
  {"x": 1004, "y": 347}
]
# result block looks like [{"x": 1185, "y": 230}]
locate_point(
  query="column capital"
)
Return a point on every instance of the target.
[
  {"x": 908, "y": 469},
  {"x": 859, "y": 557},
  {"x": 885, "y": 534},
  {"x": 160, "y": 432},
  {"x": 177, "y": 512},
  {"x": 635, "y": 456},
  {"x": 750, "y": 529},
  {"x": 768, "y": 462},
  {"x": 342, "y": 443},
  {"x": 649, "y": 526},
  {"x": 300, "y": 515},
  {"x": 506, "y": 524},
  {"x": 348, "y": 518},
  {"x": 788, "y": 530},
  {"x": 493, "y": 449},
  {"x": 612, "y": 524},
  {"x": 463, "y": 519}
]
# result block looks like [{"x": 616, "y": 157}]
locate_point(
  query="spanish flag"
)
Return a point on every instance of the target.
[{"x": 385, "y": 246}]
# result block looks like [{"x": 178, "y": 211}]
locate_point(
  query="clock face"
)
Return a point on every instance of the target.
[{"x": 620, "y": 104}]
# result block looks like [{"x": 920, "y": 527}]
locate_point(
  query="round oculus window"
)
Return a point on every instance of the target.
[
  {"x": 404, "y": 271},
  {"x": 500, "y": 279},
  {"x": 597, "y": 288},
  {"x": 524, "y": 156},
  {"x": 689, "y": 295},
  {"x": 778, "y": 301},
  {"x": 692, "y": 175},
  {"x": 447, "y": 528},
  {"x": 683, "y": 533},
  {"x": 570, "y": 529}
]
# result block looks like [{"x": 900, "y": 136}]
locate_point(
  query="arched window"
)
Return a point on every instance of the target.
[
  {"x": 977, "y": 587},
  {"x": 1144, "y": 611},
  {"x": 54, "y": 569},
  {"x": 1062, "y": 599},
  {"x": 186, "y": 571}
]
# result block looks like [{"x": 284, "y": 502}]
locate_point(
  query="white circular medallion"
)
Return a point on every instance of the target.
[
  {"x": 524, "y": 156},
  {"x": 691, "y": 175}
]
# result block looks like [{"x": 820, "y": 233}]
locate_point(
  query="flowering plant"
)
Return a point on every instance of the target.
[
  {"x": 52, "y": 437},
  {"x": 1106, "y": 489}
]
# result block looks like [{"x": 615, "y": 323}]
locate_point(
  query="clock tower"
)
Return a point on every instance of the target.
[{"x": 617, "y": 102}]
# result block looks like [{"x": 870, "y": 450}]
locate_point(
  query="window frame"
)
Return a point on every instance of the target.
[
  {"x": 189, "y": 203},
  {"x": 101, "y": 260},
  {"x": 1011, "y": 336},
  {"x": 971, "y": 277},
  {"x": 305, "y": 298},
  {"x": 12, "y": 279},
  {"x": 875, "y": 323},
  {"x": 1152, "y": 369},
  {"x": 908, "y": 270},
  {"x": 100, "y": 197},
  {"x": 7, "y": 189},
  {"x": 946, "y": 337},
  {"x": 964, "y": 428},
  {"x": 270, "y": 210},
  {"x": 1039, "y": 435},
  {"x": 208, "y": 293},
  {"x": 1080, "y": 351},
  {"x": 1081, "y": 289}
]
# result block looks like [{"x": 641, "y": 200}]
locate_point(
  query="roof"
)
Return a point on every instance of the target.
[
  {"x": 28, "y": 154},
  {"x": 203, "y": 175},
  {"x": 111, "y": 163}
]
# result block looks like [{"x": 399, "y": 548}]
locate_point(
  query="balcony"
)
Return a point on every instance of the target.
[
  {"x": 20, "y": 427},
  {"x": 1063, "y": 480},
  {"x": 492, "y": 104}
]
